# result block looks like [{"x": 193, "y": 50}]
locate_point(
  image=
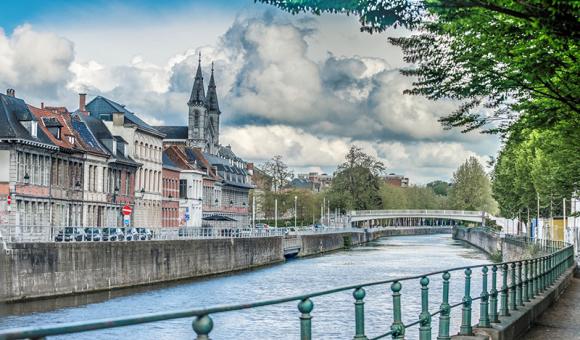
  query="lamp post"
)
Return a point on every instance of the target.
[
  {"x": 276, "y": 213},
  {"x": 295, "y": 210}
]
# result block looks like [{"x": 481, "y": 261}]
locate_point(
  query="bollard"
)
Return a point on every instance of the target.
[
  {"x": 359, "y": 314},
  {"x": 445, "y": 310},
  {"x": 305, "y": 307},
  {"x": 466, "y": 328},
  {"x": 397, "y": 328},
  {"x": 493, "y": 316},
  {"x": 483, "y": 305},
  {"x": 202, "y": 325},
  {"x": 504, "y": 291}
]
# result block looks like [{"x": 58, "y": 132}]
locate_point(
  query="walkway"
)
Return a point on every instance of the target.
[{"x": 561, "y": 321}]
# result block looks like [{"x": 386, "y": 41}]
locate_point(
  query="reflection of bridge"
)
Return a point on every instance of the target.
[{"x": 415, "y": 217}]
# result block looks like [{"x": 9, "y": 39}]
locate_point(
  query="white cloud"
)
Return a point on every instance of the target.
[{"x": 34, "y": 62}]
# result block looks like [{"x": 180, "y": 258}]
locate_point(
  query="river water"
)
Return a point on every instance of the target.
[{"x": 333, "y": 316}]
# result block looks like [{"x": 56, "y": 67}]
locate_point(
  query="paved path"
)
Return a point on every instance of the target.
[{"x": 561, "y": 321}]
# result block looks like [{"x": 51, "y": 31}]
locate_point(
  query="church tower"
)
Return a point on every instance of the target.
[
  {"x": 197, "y": 111},
  {"x": 214, "y": 112}
]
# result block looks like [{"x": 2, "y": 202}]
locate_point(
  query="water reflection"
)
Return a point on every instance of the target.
[{"x": 333, "y": 316}]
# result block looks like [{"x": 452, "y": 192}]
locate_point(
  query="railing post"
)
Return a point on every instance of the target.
[
  {"x": 359, "y": 313},
  {"x": 483, "y": 305},
  {"x": 513, "y": 303},
  {"x": 425, "y": 317},
  {"x": 536, "y": 282},
  {"x": 445, "y": 310},
  {"x": 466, "y": 328},
  {"x": 493, "y": 316},
  {"x": 543, "y": 274},
  {"x": 305, "y": 307},
  {"x": 504, "y": 291},
  {"x": 525, "y": 282},
  {"x": 202, "y": 325},
  {"x": 397, "y": 328},
  {"x": 519, "y": 294}
]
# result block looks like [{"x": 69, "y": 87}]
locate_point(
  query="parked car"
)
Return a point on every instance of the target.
[
  {"x": 144, "y": 234},
  {"x": 131, "y": 234},
  {"x": 93, "y": 234},
  {"x": 70, "y": 234},
  {"x": 113, "y": 234}
]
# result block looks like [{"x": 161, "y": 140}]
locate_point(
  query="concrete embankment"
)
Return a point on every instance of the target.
[
  {"x": 38, "y": 270},
  {"x": 517, "y": 324},
  {"x": 33, "y": 270}
]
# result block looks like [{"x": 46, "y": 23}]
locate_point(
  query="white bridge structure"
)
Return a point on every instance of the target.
[{"x": 415, "y": 217}]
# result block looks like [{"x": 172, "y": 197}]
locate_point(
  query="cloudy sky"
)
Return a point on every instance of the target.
[{"x": 304, "y": 87}]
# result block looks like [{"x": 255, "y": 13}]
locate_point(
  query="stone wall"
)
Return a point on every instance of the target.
[
  {"x": 489, "y": 243},
  {"x": 33, "y": 270}
]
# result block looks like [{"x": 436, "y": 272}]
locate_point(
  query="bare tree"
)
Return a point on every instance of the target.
[{"x": 278, "y": 171}]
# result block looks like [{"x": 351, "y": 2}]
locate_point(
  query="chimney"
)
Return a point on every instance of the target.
[
  {"x": 118, "y": 118},
  {"x": 82, "y": 102},
  {"x": 42, "y": 105},
  {"x": 10, "y": 92}
]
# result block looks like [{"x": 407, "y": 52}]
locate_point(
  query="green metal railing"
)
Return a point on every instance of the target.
[{"x": 527, "y": 279}]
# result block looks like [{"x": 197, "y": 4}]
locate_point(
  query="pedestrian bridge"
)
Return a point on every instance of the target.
[{"x": 415, "y": 217}]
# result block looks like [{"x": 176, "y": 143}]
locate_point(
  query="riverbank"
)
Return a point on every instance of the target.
[{"x": 41, "y": 270}]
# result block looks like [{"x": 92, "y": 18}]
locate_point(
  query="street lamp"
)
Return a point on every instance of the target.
[
  {"x": 115, "y": 193},
  {"x": 26, "y": 178},
  {"x": 295, "y": 210}
]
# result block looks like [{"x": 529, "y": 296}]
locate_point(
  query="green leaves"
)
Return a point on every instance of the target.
[{"x": 471, "y": 188}]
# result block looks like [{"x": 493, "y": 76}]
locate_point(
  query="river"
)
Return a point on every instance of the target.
[{"x": 333, "y": 316}]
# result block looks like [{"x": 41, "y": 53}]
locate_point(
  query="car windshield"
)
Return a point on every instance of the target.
[
  {"x": 69, "y": 230},
  {"x": 92, "y": 230}
]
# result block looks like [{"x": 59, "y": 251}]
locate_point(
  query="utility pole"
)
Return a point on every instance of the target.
[
  {"x": 564, "y": 215},
  {"x": 276, "y": 213},
  {"x": 538, "y": 213},
  {"x": 253, "y": 211},
  {"x": 295, "y": 210}
]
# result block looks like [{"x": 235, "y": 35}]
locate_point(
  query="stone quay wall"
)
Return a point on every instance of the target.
[{"x": 35, "y": 270}]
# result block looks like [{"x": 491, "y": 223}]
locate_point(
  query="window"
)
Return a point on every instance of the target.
[
  {"x": 182, "y": 188},
  {"x": 127, "y": 179}
]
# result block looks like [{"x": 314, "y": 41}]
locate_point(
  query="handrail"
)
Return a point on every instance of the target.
[{"x": 538, "y": 274}]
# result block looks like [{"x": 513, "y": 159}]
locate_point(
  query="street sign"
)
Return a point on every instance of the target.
[
  {"x": 9, "y": 199},
  {"x": 126, "y": 220},
  {"x": 127, "y": 210}
]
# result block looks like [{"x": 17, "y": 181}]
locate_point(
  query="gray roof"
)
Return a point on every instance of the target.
[
  {"x": 173, "y": 132},
  {"x": 100, "y": 131},
  {"x": 51, "y": 122},
  {"x": 13, "y": 111},
  {"x": 168, "y": 163},
  {"x": 103, "y": 106}
]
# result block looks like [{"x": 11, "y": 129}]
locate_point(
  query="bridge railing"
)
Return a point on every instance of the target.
[
  {"x": 506, "y": 287},
  {"x": 417, "y": 212}
]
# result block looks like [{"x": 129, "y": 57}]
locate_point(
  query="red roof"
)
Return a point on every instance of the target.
[{"x": 63, "y": 117}]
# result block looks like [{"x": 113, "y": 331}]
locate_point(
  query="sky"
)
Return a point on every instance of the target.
[{"x": 304, "y": 87}]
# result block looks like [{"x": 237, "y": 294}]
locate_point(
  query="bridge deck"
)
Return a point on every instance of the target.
[{"x": 561, "y": 320}]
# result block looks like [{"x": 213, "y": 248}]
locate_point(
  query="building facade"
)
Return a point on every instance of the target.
[{"x": 144, "y": 144}]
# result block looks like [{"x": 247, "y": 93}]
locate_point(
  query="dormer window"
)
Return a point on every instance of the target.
[
  {"x": 71, "y": 139},
  {"x": 34, "y": 129},
  {"x": 53, "y": 126},
  {"x": 55, "y": 131}
]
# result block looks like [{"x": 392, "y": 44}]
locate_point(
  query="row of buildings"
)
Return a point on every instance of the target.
[{"x": 80, "y": 168}]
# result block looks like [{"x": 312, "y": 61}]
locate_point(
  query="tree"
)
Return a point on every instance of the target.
[
  {"x": 439, "y": 187},
  {"x": 471, "y": 188},
  {"x": 278, "y": 172},
  {"x": 357, "y": 181},
  {"x": 538, "y": 163}
]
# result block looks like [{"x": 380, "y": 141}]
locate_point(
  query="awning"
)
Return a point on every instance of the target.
[{"x": 218, "y": 218}]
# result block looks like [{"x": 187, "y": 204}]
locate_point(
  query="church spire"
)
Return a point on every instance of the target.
[
  {"x": 212, "y": 99},
  {"x": 197, "y": 92}
]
